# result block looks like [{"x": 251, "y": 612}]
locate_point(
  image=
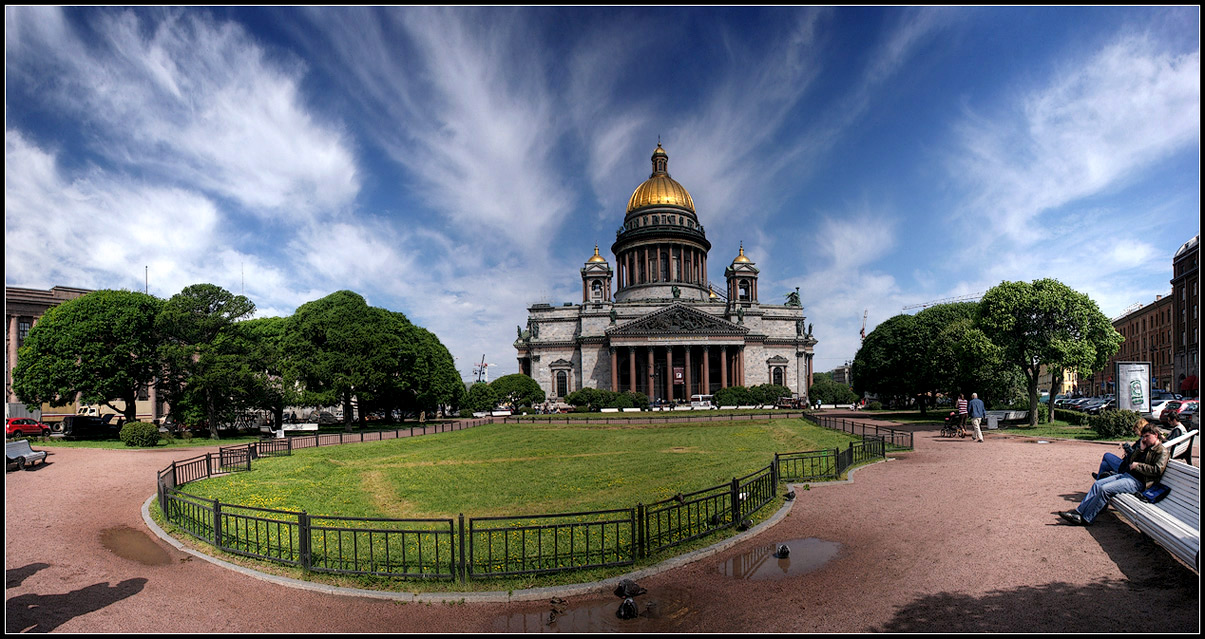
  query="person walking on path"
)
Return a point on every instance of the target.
[
  {"x": 961, "y": 405},
  {"x": 977, "y": 414},
  {"x": 1141, "y": 468}
]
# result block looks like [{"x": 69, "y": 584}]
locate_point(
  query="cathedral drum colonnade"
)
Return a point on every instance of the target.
[{"x": 654, "y": 323}]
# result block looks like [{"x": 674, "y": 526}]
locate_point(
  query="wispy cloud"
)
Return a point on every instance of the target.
[
  {"x": 1097, "y": 125},
  {"x": 195, "y": 103}
]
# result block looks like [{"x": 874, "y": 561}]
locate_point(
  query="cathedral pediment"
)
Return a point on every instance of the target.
[{"x": 677, "y": 319}]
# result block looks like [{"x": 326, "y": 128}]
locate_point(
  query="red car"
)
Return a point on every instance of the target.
[
  {"x": 25, "y": 426},
  {"x": 1182, "y": 407}
]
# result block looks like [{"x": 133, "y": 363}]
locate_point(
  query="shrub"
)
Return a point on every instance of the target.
[
  {"x": 139, "y": 434},
  {"x": 875, "y": 405},
  {"x": 733, "y": 396},
  {"x": 1075, "y": 418},
  {"x": 1115, "y": 424}
]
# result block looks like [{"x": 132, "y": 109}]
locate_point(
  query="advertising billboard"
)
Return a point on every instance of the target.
[{"x": 1134, "y": 386}]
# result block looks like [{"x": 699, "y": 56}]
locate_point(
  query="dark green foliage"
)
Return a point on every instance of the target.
[
  {"x": 208, "y": 368},
  {"x": 1046, "y": 323},
  {"x": 593, "y": 399},
  {"x": 1115, "y": 424},
  {"x": 101, "y": 346},
  {"x": 139, "y": 434},
  {"x": 481, "y": 398},
  {"x": 733, "y": 396},
  {"x": 828, "y": 391},
  {"x": 1073, "y": 417},
  {"x": 875, "y": 405},
  {"x": 517, "y": 390},
  {"x": 768, "y": 394}
]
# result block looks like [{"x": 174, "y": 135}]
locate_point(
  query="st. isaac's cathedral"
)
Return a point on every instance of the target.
[{"x": 654, "y": 323}]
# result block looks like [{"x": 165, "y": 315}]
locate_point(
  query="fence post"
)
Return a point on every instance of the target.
[
  {"x": 217, "y": 524},
  {"x": 734, "y": 491},
  {"x": 464, "y": 568},
  {"x": 774, "y": 472},
  {"x": 208, "y": 465},
  {"x": 303, "y": 539},
  {"x": 641, "y": 548}
]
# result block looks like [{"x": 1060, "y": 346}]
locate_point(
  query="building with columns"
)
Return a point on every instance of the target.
[{"x": 654, "y": 323}]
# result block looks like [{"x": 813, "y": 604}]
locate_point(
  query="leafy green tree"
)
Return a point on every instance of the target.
[
  {"x": 768, "y": 394},
  {"x": 265, "y": 339},
  {"x": 339, "y": 347},
  {"x": 101, "y": 347},
  {"x": 481, "y": 398},
  {"x": 887, "y": 362},
  {"x": 427, "y": 374},
  {"x": 733, "y": 396},
  {"x": 517, "y": 390},
  {"x": 207, "y": 368},
  {"x": 828, "y": 391},
  {"x": 1046, "y": 323}
]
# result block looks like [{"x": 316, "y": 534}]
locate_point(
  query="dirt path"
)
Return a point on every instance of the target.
[{"x": 954, "y": 536}]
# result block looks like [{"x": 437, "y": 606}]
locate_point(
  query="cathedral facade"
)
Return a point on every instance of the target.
[{"x": 654, "y": 323}]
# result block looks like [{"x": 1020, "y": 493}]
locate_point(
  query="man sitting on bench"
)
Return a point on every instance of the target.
[{"x": 1141, "y": 468}]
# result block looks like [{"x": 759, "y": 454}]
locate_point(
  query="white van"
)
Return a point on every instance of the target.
[{"x": 702, "y": 402}]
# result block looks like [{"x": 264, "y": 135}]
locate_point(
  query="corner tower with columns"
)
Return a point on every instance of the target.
[{"x": 655, "y": 323}]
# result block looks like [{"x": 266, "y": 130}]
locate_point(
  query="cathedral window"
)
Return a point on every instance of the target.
[{"x": 562, "y": 383}]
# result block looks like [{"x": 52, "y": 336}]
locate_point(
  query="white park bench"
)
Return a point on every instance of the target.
[
  {"x": 20, "y": 454},
  {"x": 1174, "y": 522}
]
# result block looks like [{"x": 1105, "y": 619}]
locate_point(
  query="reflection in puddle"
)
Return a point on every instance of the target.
[
  {"x": 766, "y": 562},
  {"x": 658, "y": 612},
  {"x": 135, "y": 545}
]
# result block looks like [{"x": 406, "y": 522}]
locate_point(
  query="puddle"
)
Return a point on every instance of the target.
[
  {"x": 764, "y": 562},
  {"x": 135, "y": 545},
  {"x": 660, "y": 611}
]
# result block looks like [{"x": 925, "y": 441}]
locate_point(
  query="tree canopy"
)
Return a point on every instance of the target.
[
  {"x": 206, "y": 365},
  {"x": 1046, "y": 323},
  {"x": 517, "y": 390},
  {"x": 100, "y": 346}
]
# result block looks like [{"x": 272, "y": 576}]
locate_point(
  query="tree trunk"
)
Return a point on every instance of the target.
[
  {"x": 1031, "y": 381},
  {"x": 211, "y": 415},
  {"x": 347, "y": 411},
  {"x": 1056, "y": 382}
]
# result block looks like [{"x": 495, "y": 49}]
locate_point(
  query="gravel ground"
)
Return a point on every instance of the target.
[{"x": 955, "y": 536}]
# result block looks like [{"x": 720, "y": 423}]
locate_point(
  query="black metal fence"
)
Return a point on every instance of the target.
[
  {"x": 894, "y": 437},
  {"x": 480, "y": 547}
]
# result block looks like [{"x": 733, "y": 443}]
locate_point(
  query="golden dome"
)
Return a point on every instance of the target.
[
  {"x": 741, "y": 259},
  {"x": 660, "y": 189},
  {"x": 596, "y": 257}
]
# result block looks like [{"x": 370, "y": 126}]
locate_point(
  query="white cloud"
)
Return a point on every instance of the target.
[
  {"x": 198, "y": 104},
  {"x": 1098, "y": 125}
]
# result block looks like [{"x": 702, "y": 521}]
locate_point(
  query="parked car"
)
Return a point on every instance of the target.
[
  {"x": 1157, "y": 406},
  {"x": 83, "y": 426},
  {"x": 1108, "y": 404},
  {"x": 1180, "y": 406},
  {"x": 15, "y": 426}
]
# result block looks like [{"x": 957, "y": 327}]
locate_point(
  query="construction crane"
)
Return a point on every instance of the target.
[
  {"x": 864, "y": 313},
  {"x": 949, "y": 300}
]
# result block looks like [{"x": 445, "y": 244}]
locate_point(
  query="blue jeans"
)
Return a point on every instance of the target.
[
  {"x": 1109, "y": 464},
  {"x": 1103, "y": 489}
]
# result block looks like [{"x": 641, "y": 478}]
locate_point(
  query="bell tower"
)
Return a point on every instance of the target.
[
  {"x": 742, "y": 281},
  {"x": 596, "y": 279}
]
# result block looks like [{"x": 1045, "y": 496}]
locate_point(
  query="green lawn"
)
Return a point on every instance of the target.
[{"x": 516, "y": 469}]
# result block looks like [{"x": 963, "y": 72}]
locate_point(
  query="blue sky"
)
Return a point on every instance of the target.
[{"x": 460, "y": 164}]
